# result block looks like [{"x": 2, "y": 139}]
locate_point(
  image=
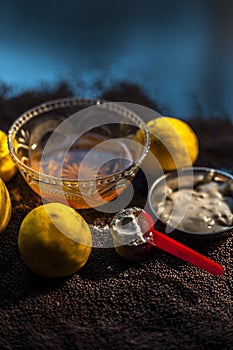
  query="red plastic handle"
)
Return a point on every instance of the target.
[
  {"x": 173, "y": 247},
  {"x": 181, "y": 251}
]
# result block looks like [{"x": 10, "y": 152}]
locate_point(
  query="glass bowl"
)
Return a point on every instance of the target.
[
  {"x": 72, "y": 154},
  {"x": 195, "y": 201}
]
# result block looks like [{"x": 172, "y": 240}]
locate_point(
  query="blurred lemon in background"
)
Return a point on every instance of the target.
[
  {"x": 54, "y": 240},
  {"x": 5, "y": 206},
  {"x": 173, "y": 143},
  {"x": 7, "y": 165}
]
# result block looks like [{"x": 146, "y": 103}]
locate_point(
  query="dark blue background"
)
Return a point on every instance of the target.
[{"x": 180, "y": 52}]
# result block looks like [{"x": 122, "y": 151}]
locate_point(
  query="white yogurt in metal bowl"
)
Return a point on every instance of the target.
[{"x": 194, "y": 200}]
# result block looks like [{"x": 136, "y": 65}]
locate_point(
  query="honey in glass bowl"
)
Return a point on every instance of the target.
[{"x": 86, "y": 160}]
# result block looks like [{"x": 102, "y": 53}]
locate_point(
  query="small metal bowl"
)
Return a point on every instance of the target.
[
  {"x": 114, "y": 122},
  {"x": 186, "y": 178}
]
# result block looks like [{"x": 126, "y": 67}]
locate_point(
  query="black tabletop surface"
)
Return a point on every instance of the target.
[{"x": 160, "y": 302}]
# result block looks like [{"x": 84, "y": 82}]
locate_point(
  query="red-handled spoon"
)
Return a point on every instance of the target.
[{"x": 133, "y": 234}]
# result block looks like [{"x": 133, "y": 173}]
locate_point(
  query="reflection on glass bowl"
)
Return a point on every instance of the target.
[{"x": 67, "y": 152}]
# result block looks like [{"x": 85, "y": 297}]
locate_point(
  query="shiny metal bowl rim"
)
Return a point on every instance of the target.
[{"x": 181, "y": 172}]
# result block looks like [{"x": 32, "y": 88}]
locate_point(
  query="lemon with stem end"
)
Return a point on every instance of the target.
[
  {"x": 173, "y": 143},
  {"x": 5, "y": 206},
  {"x": 54, "y": 240},
  {"x": 7, "y": 165}
]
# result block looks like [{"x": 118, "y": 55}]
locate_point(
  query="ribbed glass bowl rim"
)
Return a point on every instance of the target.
[
  {"x": 68, "y": 102},
  {"x": 183, "y": 171}
]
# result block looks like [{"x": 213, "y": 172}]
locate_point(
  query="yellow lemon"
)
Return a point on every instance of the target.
[
  {"x": 7, "y": 166},
  {"x": 173, "y": 143},
  {"x": 5, "y": 206},
  {"x": 54, "y": 240}
]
